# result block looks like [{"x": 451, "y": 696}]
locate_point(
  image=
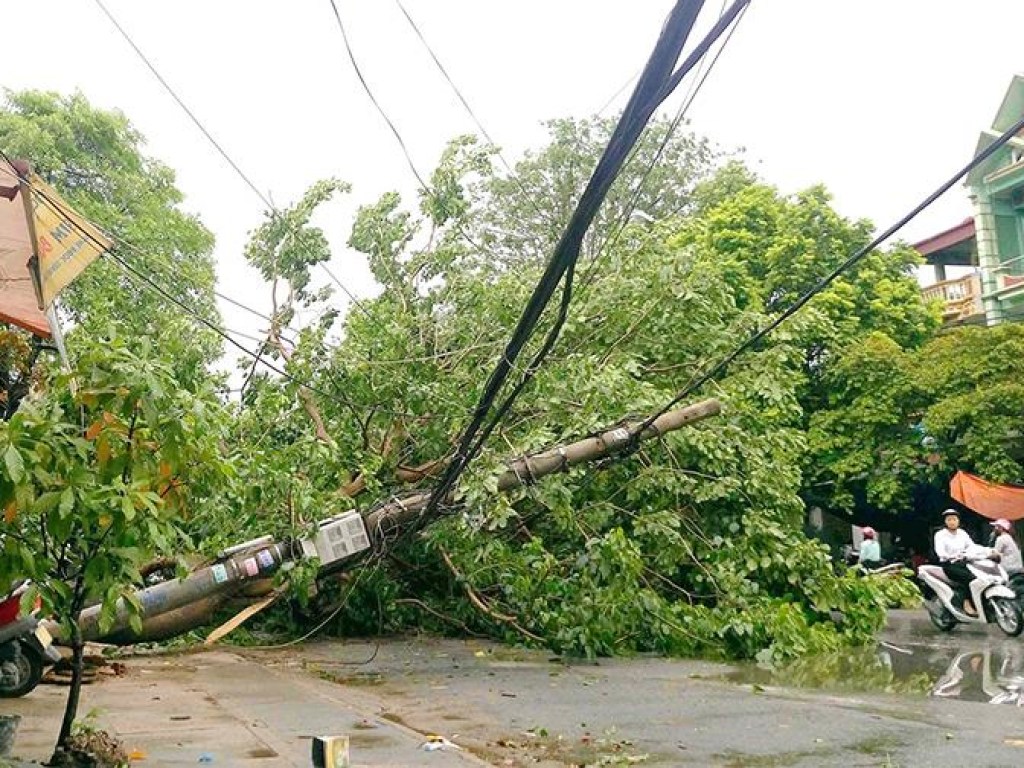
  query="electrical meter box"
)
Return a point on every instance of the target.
[{"x": 338, "y": 538}]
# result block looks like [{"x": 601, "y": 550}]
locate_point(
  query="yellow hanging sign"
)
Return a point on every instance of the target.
[{"x": 65, "y": 243}]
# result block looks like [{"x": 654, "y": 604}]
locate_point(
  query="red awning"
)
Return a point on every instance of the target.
[{"x": 990, "y": 500}]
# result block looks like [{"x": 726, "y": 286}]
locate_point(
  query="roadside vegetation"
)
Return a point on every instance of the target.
[{"x": 694, "y": 545}]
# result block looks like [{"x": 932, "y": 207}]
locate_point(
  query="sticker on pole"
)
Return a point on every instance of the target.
[
  {"x": 220, "y": 573},
  {"x": 265, "y": 559},
  {"x": 251, "y": 569}
]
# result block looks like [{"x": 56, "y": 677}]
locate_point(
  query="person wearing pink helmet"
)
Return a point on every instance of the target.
[
  {"x": 1004, "y": 544},
  {"x": 870, "y": 551}
]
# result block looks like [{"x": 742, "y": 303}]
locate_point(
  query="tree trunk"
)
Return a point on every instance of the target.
[{"x": 77, "y": 669}]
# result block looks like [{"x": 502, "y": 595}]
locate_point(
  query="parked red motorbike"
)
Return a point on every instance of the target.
[{"x": 26, "y": 648}]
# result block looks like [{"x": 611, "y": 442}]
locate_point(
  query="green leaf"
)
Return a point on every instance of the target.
[
  {"x": 67, "y": 502},
  {"x": 15, "y": 464},
  {"x": 127, "y": 508}
]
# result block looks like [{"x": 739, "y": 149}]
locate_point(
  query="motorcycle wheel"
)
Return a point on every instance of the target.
[
  {"x": 941, "y": 617},
  {"x": 1007, "y": 615},
  {"x": 29, "y": 667}
]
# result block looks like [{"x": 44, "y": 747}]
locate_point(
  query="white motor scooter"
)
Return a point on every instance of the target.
[
  {"x": 995, "y": 602},
  {"x": 1005, "y": 686}
]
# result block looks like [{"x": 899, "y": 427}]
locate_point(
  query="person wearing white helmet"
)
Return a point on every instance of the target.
[
  {"x": 870, "y": 552},
  {"x": 1009, "y": 552},
  {"x": 952, "y": 544}
]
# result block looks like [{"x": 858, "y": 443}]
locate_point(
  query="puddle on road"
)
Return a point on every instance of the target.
[{"x": 983, "y": 672}]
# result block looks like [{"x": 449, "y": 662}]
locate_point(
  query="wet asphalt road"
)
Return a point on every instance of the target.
[{"x": 920, "y": 698}]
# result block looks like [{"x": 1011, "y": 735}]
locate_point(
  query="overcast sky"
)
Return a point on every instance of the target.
[{"x": 880, "y": 100}]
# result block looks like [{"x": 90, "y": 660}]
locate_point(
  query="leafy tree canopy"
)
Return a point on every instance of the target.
[
  {"x": 694, "y": 545},
  {"x": 900, "y": 418},
  {"x": 94, "y": 158}
]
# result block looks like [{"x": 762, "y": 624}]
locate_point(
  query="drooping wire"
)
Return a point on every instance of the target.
[
  {"x": 424, "y": 187},
  {"x": 451, "y": 83},
  {"x": 476, "y": 120},
  {"x": 265, "y": 199},
  {"x": 195, "y": 120},
  {"x": 618, "y": 93},
  {"x": 700, "y": 78},
  {"x": 147, "y": 281},
  {"x": 646, "y": 97},
  {"x": 826, "y": 281},
  {"x": 373, "y": 98},
  {"x": 503, "y": 408}
]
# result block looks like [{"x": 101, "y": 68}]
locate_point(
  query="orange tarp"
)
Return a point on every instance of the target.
[
  {"x": 18, "y": 302},
  {"x": 990, "y": 500}
]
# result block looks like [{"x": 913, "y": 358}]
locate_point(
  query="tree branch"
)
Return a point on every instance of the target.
[{"x": 482, "y": 606}]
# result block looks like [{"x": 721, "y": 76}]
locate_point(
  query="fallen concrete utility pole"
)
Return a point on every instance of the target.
[
  {"x": 176, "y": 606},
  {"x": 527, "y": 469}
]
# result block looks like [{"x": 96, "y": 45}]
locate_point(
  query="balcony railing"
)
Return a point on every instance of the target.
[{"x": 961, "y": 298}]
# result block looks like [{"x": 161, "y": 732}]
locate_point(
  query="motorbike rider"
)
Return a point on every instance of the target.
[
  {"x": 1003, "y": 543},
  {"x": 870, "y": 552},
  {"x": 952, "y": 544}
]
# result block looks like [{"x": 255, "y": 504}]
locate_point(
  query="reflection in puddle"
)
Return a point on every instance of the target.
[{"x": 985, "y": 672}]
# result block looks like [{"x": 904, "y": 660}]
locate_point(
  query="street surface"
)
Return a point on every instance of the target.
[{"x": 919, "y": 699}]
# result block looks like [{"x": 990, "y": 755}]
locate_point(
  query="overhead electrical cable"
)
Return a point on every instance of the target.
[
  {"x": 195, "y": 120},
  {"x": 220, "y": 149},
  {"x": 616, "y": 95},
  {"x": 568, "y": 286},
  {"x": 451, "y": 83},
  {"x": 826, "y": 281},
  {"x": 150, "y": 256},
  {"x": 424, "y": 187},
  {"x": 648, "y": 94},
  {"x": 148, "y": 281},
  {"x": 255, "y": 355},
  {"x": 373, "y": 98},
  {"x": 531, "y": 199},
  {"x": 700, "y": 78}
]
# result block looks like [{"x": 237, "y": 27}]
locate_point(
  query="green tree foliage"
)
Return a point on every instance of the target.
[
  {"x": 694, "y": 545},
  {"x": 94, "y": 158},
  {"x": 17, "y": 359},
  {"x": 775, "y": 249},
  {"x": 897, "y": 419},
  {"x": 101, "y": 466},
  {"x": 539, "y": 196},
  {"x": 98, "y": 479}
]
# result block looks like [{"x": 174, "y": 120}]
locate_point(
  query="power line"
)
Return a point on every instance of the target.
[
  {"x": 618, "y": 93},
  {"x": 223, "y": 153},
  {"x": 424, "y": 187},
  {"x": 695, "y": 86},
  {"x": 646, "y": 97},
  {"x": 694, "y": 58},
  {"x": 458, "y": 93},
  {"x": 183, "y": 105},
  {"x": 826, "y": 281},
  {"x": 451, "y": 83},
  {"x": 369, "y": 93},
  {"x": 146, "y": 280}
]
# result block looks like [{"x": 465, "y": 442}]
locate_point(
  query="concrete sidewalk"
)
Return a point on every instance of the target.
[{"x": 181, "y": 710}]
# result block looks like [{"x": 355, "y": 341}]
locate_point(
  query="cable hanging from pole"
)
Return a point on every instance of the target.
[
  {"x": 650, "y": 91},
  {"x": 695, "y": 58},
  {"x": 684, "y": 106}
]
